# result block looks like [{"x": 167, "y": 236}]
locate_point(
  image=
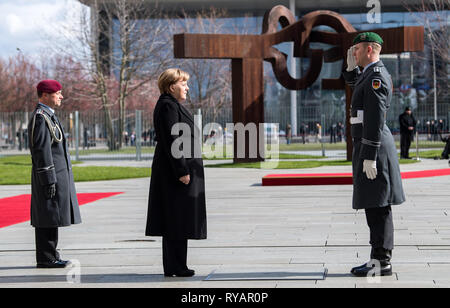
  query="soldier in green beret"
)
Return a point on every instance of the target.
[{"x": 377, "y": 183}]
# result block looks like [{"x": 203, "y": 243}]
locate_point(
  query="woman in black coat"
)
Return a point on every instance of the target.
[{"x": 176, "y": 206}]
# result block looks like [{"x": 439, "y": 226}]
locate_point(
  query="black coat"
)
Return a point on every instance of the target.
[
  {"x": 176, "y": 210},
  {"x": 51, "y": 164},
  {"x": 406, "y": 121},
  {"x": 372, "y": 139}
]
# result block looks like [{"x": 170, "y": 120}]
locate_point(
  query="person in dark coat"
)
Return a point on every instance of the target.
[
  {"x": 340, "y": 131},
  {"x": 333, "y": 130},
  {"x": 407, "y": 127},
  {"x": 377, "y": 183},
  {"x": 446, "y": 152},
  {"x": 54, "y": 201},
  {"x": 177, "y": 204}
]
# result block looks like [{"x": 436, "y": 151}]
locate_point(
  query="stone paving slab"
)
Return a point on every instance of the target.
[{"x": 249, "y": 227}]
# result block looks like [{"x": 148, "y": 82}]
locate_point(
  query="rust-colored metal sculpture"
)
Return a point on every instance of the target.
[{"x": 248, "y": 52}]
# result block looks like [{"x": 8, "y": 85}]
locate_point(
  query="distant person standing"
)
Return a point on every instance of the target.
[
  {"x": 288, "y": 134},
  {"x": 85, "y": 138},
  {"x": 434, "y": 129},
  {"x": 340, "y": 131},
  {"x": 318, "y": 132},
  {"x": 53, "y": 197},
  {"x": 303, "y": 132},
  {"x": 133, "y": 139},
  {"x": 407, "y": 127},
  {"x": 446, "y": 151},
  {"x": 440, "y": 127},
  {"x": 333, "y": 133}
]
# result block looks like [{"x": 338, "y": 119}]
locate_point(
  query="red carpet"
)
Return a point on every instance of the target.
[
  {"x": 337, "y": 178},
  {"x": 14, "y": 210}
]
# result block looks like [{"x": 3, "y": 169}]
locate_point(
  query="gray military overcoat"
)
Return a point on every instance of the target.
[
  {"x": 372, "y": 139},
  {"x": 51, "y": 164}
]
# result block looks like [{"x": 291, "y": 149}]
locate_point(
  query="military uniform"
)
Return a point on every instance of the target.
[
  {"x": 373, "y": 141},
  {"x": 51, "y": 165}
]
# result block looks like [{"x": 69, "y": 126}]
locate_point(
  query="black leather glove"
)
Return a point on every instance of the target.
[{"x": 50, "y": 191}]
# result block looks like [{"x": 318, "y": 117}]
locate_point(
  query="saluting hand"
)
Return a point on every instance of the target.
[
  {"x": 351, "y": 60},
  {"x": 185, "y": 179}
]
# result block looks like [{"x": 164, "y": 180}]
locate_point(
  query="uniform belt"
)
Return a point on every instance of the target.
[
  {"x": 355, "y": 120},
  {"x": 359, "y": 117}
]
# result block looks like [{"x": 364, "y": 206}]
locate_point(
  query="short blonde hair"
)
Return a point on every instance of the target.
[
  {"x": 375, "y": 46},
  {"x": 170, "y": 77}
]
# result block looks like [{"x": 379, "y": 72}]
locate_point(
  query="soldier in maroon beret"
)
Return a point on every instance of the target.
[{"x": 54, "y": 201}]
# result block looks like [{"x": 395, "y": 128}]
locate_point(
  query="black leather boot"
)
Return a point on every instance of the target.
[{"x": 379, "y": 265}]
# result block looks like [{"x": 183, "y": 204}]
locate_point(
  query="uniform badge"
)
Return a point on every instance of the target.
[{"x": 376, "y": 84}]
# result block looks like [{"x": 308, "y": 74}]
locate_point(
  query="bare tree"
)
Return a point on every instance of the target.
[
  {"x": 210, "y": 84},
  {"x": 19, "y": 78},
  {"x": 122, "y": 46},
  {"x": 432, "y": 14}
]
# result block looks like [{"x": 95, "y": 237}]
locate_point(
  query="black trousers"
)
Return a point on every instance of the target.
[
  {"x": 174, "y": 255},
  {"x": 381, "y": 228},
  {"x": 46, "y": 242},
  {"x": 405, "y": 143}
]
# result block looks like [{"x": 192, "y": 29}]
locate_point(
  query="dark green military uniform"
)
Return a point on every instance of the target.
[{"x": 373, "y": 141}]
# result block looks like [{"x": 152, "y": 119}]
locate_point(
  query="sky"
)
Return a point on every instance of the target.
[{"x": 27, "y": 24}]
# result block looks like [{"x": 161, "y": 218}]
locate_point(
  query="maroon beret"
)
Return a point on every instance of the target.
[{"x": 49, "y": 86}]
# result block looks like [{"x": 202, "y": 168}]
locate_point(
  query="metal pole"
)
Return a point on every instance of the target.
[
  {"x": 293, "y": 94},
  {"x": 417, "y": 145},
  {"x": 322, "y": 134},
  {"x": 434, "y": 83},
  {"x": 77, "y": 136},
  {"x": 138, "y": 134},
  {"x": 198, "y": 120}
]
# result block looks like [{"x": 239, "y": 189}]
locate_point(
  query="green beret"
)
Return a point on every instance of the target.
[{"x": 368, "y": 37}]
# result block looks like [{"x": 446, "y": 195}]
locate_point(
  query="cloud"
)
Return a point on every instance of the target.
[
  {"x": 14, "y": 23},
  {"x": 25, "y": 24}
]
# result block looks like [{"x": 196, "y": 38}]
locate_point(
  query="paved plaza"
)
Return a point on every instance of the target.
[{"x": 274, "y": 237}]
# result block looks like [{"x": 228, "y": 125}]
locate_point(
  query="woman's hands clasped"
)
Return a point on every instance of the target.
[{"x": 185, "y": 179}]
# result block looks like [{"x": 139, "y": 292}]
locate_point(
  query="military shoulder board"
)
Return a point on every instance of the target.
[{"x": 376, "y": 69}]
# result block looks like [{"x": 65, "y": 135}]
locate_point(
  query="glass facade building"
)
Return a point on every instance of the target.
[{"x": 412, "y": 73}]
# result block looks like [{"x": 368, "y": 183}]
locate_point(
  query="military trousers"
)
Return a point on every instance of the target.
[
  {"x": 46, "y": 242},
  {"x": 381, "y": 227}
]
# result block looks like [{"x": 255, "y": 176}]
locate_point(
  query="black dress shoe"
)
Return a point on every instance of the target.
[
  {"x": 373, "y": 268},
  {"x": 183, "y": 273},
  {"x": 53, "y": 264}
]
